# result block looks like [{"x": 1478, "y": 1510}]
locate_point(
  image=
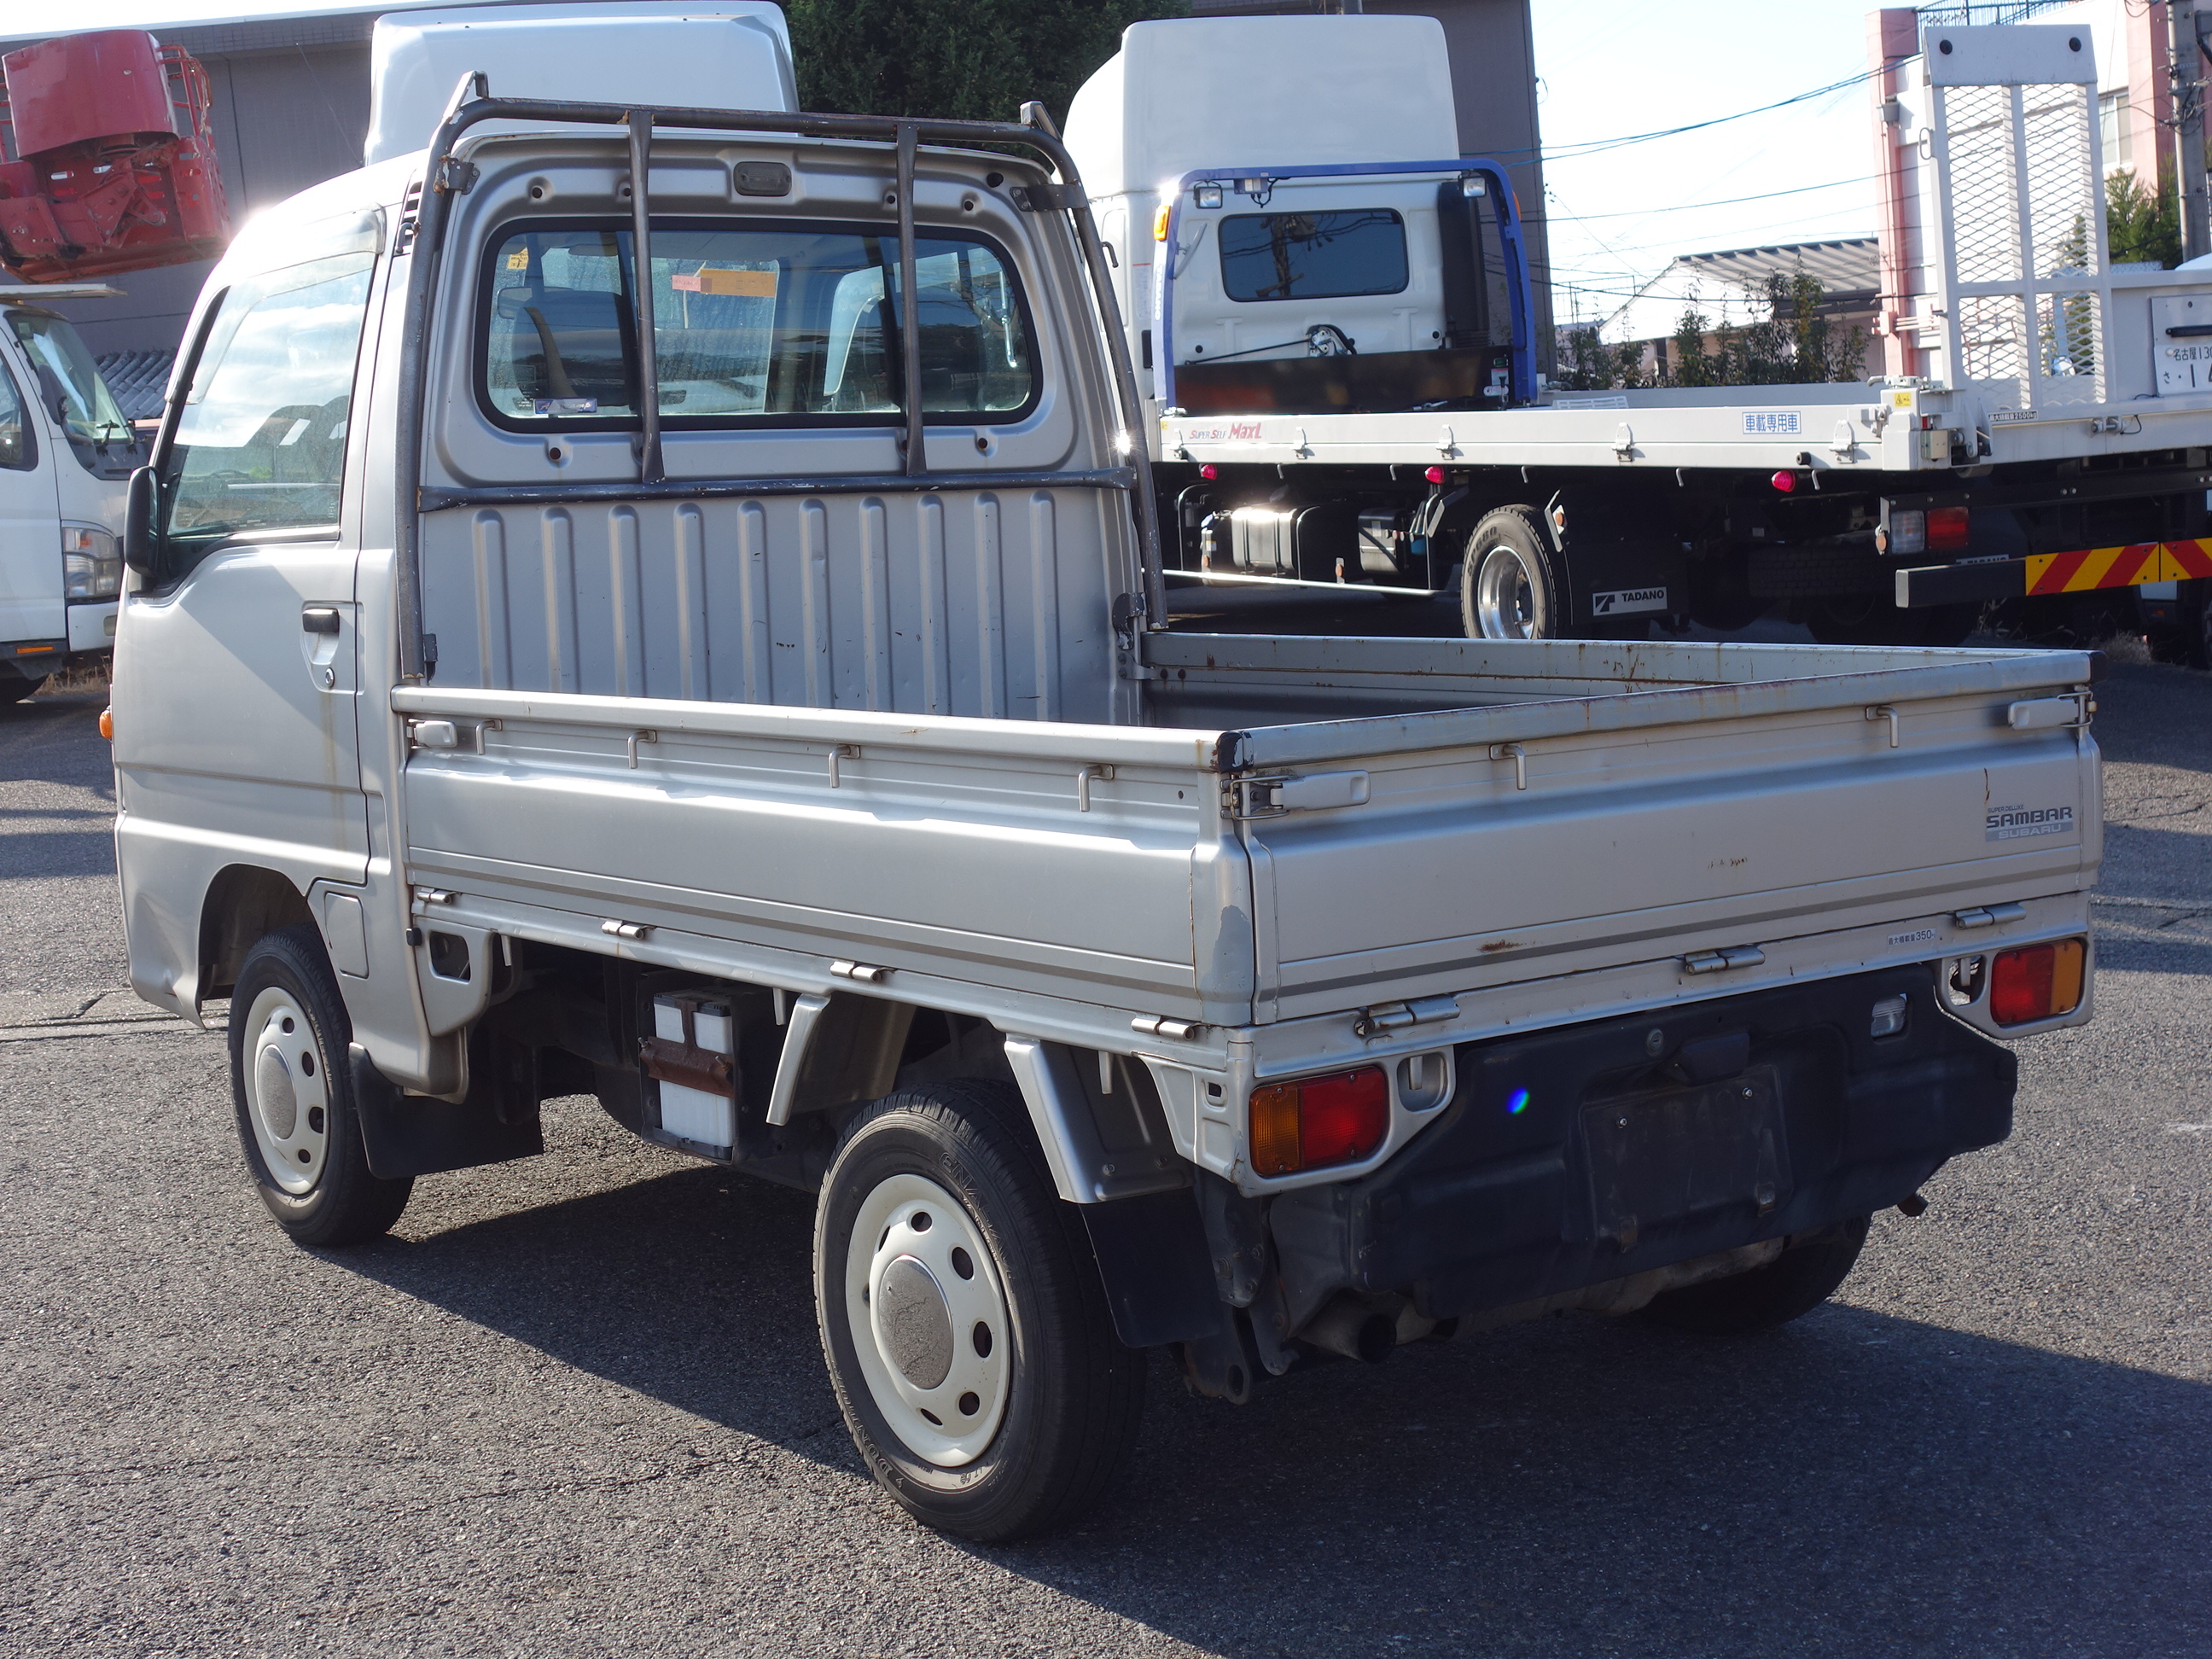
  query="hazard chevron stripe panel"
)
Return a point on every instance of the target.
[
  {"x": 2117, "y": 567},
  {"x": 2185, "y": 560}
]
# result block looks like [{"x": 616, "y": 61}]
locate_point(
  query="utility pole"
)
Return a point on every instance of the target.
[{"x": 2184, "y": 61}]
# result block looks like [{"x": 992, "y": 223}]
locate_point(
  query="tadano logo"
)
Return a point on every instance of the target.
[{"x": 1628, "y": 601}]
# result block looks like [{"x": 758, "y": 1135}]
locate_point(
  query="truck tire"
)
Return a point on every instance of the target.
[
  {"x": 1513, "y": 587},
  {"x": 967, "y": 1333},
  {"x": 18, "y": 688},
  {"x": 1795, "y": 1282},
  {"x": 294, "y": 1094}
]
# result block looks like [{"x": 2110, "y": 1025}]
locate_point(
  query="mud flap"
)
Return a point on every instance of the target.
[{"x": 414, "y": 1135}]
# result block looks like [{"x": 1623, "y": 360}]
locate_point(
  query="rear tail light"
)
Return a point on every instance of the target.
[
  {"x": 1319, "y": 1121},
  {"x": 2037, "y": 982},
  {"x": 1948, "y": 529}
]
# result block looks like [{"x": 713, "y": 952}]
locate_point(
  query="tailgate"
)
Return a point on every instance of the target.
[{"x": 1535, "y": 838}]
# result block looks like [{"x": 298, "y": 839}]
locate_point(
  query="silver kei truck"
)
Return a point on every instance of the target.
[{"x": 673, "y": 615}]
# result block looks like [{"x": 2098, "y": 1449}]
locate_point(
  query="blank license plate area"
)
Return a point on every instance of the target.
[{"x": 1667, "y": 1153}]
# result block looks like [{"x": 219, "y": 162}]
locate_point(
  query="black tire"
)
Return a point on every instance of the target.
[
  {"x": 1513, "y": 586},
  {"x": 1795, "y": 1282},
  {"x": 2197, "y": 608},
  {"x": 287, "y": 1009},
  {"x": 1059, "y": 1409},
  {"x": 18, "y": 688}
]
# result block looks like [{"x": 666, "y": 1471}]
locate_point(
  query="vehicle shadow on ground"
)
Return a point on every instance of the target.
[{"x": 1857, "y": 1483}]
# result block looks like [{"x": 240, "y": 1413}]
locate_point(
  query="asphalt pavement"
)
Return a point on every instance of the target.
[{"x": 575, "y": 1405}]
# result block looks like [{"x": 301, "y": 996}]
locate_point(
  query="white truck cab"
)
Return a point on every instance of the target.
[
  {"x": 1298, "y": 227},
  {"x": 66, "y": 455}
]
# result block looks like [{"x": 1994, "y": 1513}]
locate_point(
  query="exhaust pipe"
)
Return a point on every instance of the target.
[{"x": 1353, "y": 1328}]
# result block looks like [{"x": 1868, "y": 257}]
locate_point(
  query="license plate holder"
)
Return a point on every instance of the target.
[{"x": 1664, "y": 1154}]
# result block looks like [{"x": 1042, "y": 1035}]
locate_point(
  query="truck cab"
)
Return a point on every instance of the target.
[
  {"x": 66, "y": 455},
  {"x": 1300, "y": 254}
]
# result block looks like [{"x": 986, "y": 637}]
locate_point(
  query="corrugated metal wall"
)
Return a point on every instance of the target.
[{"x": 962, "y": 603}]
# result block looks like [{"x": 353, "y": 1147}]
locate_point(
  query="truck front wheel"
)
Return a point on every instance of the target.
[
  {"x": 967, "y": 1335},
  {"x": 1513, "y": 587},
  {"x": 1795, "y": 1282},
  {"x": 288, "y": 1033}
]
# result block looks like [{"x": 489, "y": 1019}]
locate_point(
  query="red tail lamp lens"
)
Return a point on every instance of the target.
[
  {"x": 2037, "y": 982},
  {"x": 1948, "y": 529},
  {"x": 1784, "y": 482},
  {"x": 1209, "y": 472},
  {"x": 1319, "y": 1121},
  {"x": 1433, "y": 474}
]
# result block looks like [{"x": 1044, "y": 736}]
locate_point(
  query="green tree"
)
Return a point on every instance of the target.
[
  {"x": 973, "y": 60},
  {"x": 2140, "y": 225}
]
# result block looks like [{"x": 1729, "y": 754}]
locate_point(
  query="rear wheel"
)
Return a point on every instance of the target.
[
  {"x": 16, "y": 687},
  {"x": 289, "y": 1035},
  {"x": 967, "y": 1335},
  {"x": 1513, "y": 587},
  {"x": 1795, "y": 1282}
]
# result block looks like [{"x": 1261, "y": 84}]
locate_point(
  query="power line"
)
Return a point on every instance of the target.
[
  {"x": 1732, "y": 201},
  {"x": 1599, "y": 146}
]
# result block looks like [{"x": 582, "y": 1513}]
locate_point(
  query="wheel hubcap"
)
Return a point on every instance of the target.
[
  {"x": 286, "y": 1092},
  {"x": 929, "y": 1320},
  {"x": 1509, "y": 599}
]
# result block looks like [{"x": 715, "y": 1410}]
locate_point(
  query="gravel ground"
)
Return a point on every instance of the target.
[{"x": 575, "y": 1405}]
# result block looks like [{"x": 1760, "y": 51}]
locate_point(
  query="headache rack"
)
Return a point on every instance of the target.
[{"x": 446, "y": 175}]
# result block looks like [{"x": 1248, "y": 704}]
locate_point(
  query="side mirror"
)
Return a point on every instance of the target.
[{"x": 142, "y": 513}]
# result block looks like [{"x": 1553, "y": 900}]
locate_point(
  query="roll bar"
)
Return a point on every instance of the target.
[{"x": 446, "y": 175}]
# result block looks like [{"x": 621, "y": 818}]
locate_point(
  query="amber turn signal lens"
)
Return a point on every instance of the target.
[
  {"x": 2037, "y": 982},
  {"x": 107, "y": 724},
  {"x": 1319, "y": 1121}
]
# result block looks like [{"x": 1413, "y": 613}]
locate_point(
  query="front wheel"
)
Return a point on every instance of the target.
[
  {"x": 1513, "y": 587},
  {"x": 288, "y": 1035},
  {"x": 967, "y": 1335},
  {"x": 1795, "y": 1282}
]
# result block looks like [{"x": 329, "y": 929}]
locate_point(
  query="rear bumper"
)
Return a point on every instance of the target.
[
  {"x": 1616, "y": 1162},
  {"x": 2088, "y": 570}
]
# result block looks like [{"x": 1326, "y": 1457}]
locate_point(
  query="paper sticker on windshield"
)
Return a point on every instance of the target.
[
  {"x": 1628, "y": 601},
  {"x": 564, "y": 405},
  {"x": 2016, "y": 823}
]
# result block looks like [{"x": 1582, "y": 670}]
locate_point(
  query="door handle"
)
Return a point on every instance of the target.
[{"x": 318, "y": 619}]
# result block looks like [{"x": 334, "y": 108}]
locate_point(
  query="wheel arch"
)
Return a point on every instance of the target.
[{"x": 243, "y": 903}]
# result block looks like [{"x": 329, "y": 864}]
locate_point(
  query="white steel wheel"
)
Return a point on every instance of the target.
[
  {"x": 1511, "y": 587},
  {"x": 287, "y": 1098},
  {"x": 929, "y": 1320},
  {"x": 965, "y": 1328},
  {"x": 294, "y": 1098}
]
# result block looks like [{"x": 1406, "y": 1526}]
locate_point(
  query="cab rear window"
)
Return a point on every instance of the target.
[
  {"x": 752, "y": 325},
  {"x": 1313, "y": 256}
]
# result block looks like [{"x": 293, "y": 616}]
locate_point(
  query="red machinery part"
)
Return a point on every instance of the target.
[{"x": 107, "y": 159}]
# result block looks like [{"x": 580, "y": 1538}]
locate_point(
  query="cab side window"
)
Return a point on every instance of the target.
[
  {"x": 19, "y": 451},
  {"x": 261, "y": 442}
]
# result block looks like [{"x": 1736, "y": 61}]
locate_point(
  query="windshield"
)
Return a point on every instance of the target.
[{"x": 88, "y": 409}]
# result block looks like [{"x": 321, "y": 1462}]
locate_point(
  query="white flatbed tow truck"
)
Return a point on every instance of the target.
[{"x": 1336, "y": 342}]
